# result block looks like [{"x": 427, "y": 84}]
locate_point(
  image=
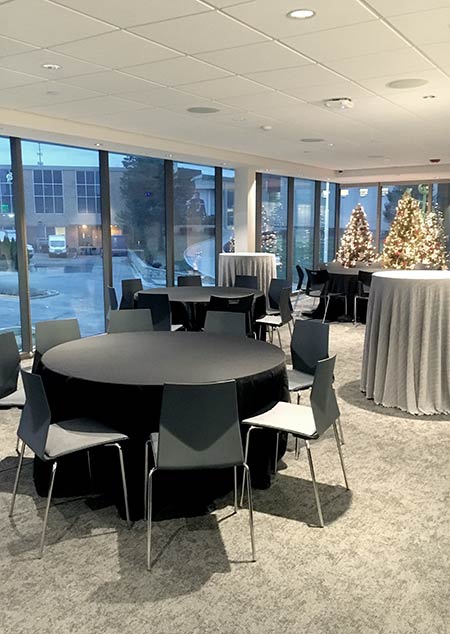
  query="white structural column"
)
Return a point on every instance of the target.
[{"x": 244, "y": 209}]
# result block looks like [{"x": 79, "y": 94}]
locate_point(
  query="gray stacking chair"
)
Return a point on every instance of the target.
[
  {"x": 309, "y": 344},
  {"x": 275, "y": 322},
  {"x": 135, "y": 320},
  {"x": 11, "y": 395},
  {"x": 246, "y": 281},
  {"x": 243, "y": 304},
  {"x": 364, "y": 283},
  {"x": 49, "y": 334},
  {"x": 189, "y": 280},
  {"x": 224, "y": 323},
  {"x": 129, "y": 289},
  {"x": 52, "y": 441},
  {"x": 112, "y": 296},
  {"x": 159, "y": 305},
  {"x": 274, "y": 293},
  {"x": 198, "y": 429},
  {"x": 306, "y": 423}
]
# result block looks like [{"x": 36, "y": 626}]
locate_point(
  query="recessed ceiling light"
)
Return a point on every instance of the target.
[
  {"x": 407, "y": 83},
  {"x": 330, "y": 144},
  {"x": 429, "y": 97},
  {"x": 301, "y": 14},
  {"x": 169, "y": 155},
  {"x": 51, "y": 92},
  {"x": 266, "y": 128},
  {"x": 98, "y": 144},
  {"x": 339, "y": 103},
  {"x": 202, "y": 110},
  {"x": 51, "y": 66},
  {"x": 312, "y": 139}
]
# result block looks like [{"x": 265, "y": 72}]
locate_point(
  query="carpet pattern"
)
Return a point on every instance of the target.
[{"x": 380, "y": 566}]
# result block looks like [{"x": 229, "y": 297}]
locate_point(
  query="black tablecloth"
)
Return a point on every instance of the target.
[
  {"x": 341, "y": 283},
  {"x": 119, "y": 379},
  {"x": 189, "y": 303}
]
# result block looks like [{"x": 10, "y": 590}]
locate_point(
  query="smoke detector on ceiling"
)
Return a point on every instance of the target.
[{"x": 339, "y": 103}]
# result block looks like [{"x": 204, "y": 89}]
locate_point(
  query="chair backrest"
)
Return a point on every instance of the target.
[
  {"x": 135, "y": 320},
  {"x": 364, "y": 281},
  {"x": 323, "y": 398},
  {"x": 112, "y": 296},
  {"x": 225, "y": 323},
  {"x": 301, "y": 275},
  {"x": 309, "y": 344},
  {"x": 285, "y": 305},
  {"x": 36, "y": 415},
  {"x": 189, "y": 280},
  {"x": 199, "y": 427},
  {"x": 49, "y": 334},
  {"x": 243, "y": 304},
  {"x": 275, "y": 288},
  {"x": 160, "y": 308},
  {"x": 129, "y": 288},
  {"x": 9, "y": 364},
  {"x": 246, "y": 281},
  {"x": 316, "y": 280}
]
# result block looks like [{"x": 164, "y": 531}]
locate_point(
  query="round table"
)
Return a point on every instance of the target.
[
  {"x": 194, "y": 299},
  {"x": 263, "y": 265},
  {"x": 119, "y": 380},
  {"x": 406, "y": 362}
]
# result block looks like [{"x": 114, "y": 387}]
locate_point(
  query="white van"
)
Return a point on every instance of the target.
[{"x": 57, "y": 246}]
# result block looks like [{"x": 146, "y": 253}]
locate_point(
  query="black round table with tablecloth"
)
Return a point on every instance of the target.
[
  {"x": 188, "y": 303},
  {"x": 119, "y": 380}
]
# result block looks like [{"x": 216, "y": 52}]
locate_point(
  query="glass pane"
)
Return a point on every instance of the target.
[
  {"x": 390, "y": 195},
  {"x": 80, "y": 178},
  {"x": 441, "y": 202},
  {"x": 9, "y": 278},
  {"x": 227, "y": 210},
  {"x": 39, "y": 204},
  {"x": 48, "y": 204},
  {"x": 367, "y": 197},
  {"x": 304, "y": 193},
  {"x": 48, "y": 176},
  {"x": 66, "y": 272},
  {"x": 90, "y": 177},
  {"x": 195, "y": 221},
  {"x": 327, "y": 221},
  {"x": 274, "y": 219},
  {"x": 138, "y": 219},
  {"x": 37, "y": 176}
]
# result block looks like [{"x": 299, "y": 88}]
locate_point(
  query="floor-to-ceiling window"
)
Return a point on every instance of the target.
[
  {"x": 9, "y": 277},
  {"x": 274, "y": 219},
  {"x": 194, "y": 221},
  {"x": 64, "y": 228},
  {"x": 303, "y": 238},
  {"x": 227, "y": 210},
  {"x": 391, "y": 194},
  {"x": 441, "y": 202},
  {"x": 366, "y": 196},
  {"x": 138, "y": 219},
  {"x": 327, "y": 221}
]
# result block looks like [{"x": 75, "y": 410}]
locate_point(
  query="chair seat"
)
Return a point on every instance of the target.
[
  {"x": 294, "y": 419},
  {"x": 176, "y": 327},
  {"x": 77, "y": 434},
  {"x": 16, "y": 399},
  {"x": 335, "y": 294},
  {"x": 272, "y": 311},
  {"x": 299, "y": 380},
  {"x": 365, "y": 296},
  {"x": 270, "y": 320}
]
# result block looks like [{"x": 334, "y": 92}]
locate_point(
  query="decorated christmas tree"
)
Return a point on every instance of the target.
[
  {"x": 268, "y": 234},
  {"x": 434, "y": 251},
  {"x": 403, "y": 246},
  {"x": 357, "y": 241}
]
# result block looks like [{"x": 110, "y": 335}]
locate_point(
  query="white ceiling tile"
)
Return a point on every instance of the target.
[
  {"x": 45, "y": 92},
  {"x": 173, "y": 72},
  {"x": 32, "y": 63},
  {"x": 200, "y": 33},
  {"x": 367, "y": 38},
  {"x": 294, "y": 78},
  {"x": 228, "y": 87},
  {"x": 268, "y": 102},
  {"x": 430, "y": 109},
  {"x": 116, "y": 50},
  {"x": 12, "y": 47},
  {"x": 44, "y": 24},
  {"x": 158, "y": 96},
  {"x": 333, "y": 89},
  {"x": 426, "y": 27},
  {"x": 221, "y": 4},
  {"x": 253, "y": 58},
  {"x": 11, "y": 78},
  {"x": 271, "y": 16},
  {"x": 97, "y": 105},
  {"x": 399, "y": 7},
  {"x": 134, "y": 12},
  {"x": 435, "y": 81},
  {"x": 378, "y": 112},
  {"x": 439, "y": 53},
  {"x": 112, "y": 82},
  {"x": 377, "y": 65}
]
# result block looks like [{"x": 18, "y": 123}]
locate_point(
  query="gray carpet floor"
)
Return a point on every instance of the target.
[{"x": 381, "y": 564}]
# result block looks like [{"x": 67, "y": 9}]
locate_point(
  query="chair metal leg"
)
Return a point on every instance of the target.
[
  {"x": 16, "y": 481},
  {"x": 326, "y": 309},
  {"x": 275, "y": 465},
  {"x": 149, "y": 518},
  {"x": 235, "y": 490},
  {"x": 298, "y": 397},
  {"x": 147, "y": 443},
  {"x": 338, "y": 443},
  {"x": 279, "y": 338},
  {"x": 124, "y": 483},
  {"x": 313, "y": 478},
  {"x": 297, "y": 448},
  {"x": 88, "y": 456},
  {"x": 354, "y": 310},
  {"x": 47, "y": 509},
  {"x": 247, "y": 445},
  {"x": 290, "y": 329},
  {"x": 345, "y": 305},
  {"x": 17, "y": 446},
  {"x": 250, "y": 510},
  {"x": 270, "y": 334},
  {"x": 341, "y": 433}
]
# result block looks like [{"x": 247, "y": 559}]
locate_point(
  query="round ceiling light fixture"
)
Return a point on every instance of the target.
[
  {"x": 339, "y": 103},
  {"x": 265, "y": 128},
  {"x": 429, "y": 97},
  {"x": 202, "y": 110},
  {"x": 406, "y": 83},
  {"x": 51, "y": 66},
  {"x": 301, "y": 14},
  {"x": 312, "y": 139}
]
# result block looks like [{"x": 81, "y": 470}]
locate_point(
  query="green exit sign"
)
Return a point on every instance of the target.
[{"x": 5, "y": 208}]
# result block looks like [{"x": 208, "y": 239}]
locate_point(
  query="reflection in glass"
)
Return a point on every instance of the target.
[
  {"x": 366, "y": 196},
  {"x": 391, "y": 194},
  {"x": 227, "y": 210},
  {"x": 327, "y": 221},
  {"x": 274, "y": 219},
  {"x": 441, "y": 202},
  {"x": 303, "y": 225}
]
